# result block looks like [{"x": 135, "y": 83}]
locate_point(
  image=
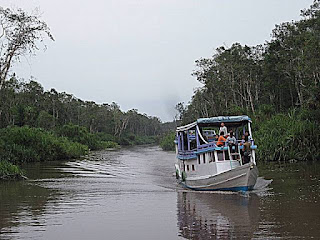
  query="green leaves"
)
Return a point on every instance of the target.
[
  {"x": 286, "y": 137},
  {"x": 24, "y": 144},
  {"x": 167, "y": 142}
]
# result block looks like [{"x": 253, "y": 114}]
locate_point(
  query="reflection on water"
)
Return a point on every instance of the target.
[
  {"x": 132, "y": 194},
  {"x": 217, "y": 215}
]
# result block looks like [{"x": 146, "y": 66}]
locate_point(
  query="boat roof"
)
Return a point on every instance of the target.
[{"x": 216, "y": 121}]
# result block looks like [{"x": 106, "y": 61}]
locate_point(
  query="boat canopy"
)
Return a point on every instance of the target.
[{"x": 216, "y": 121}]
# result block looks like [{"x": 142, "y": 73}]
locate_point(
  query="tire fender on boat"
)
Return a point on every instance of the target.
[{"x": 184, "y": 176}]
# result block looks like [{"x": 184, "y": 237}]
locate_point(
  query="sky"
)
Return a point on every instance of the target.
[{"x": 141, "y": 53}]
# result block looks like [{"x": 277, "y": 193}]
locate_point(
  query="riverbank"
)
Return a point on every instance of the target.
[
  {"x": 291, "y": 136},
  {"x": 23, "y": 145},
  {"x": 20, "y": 145},
  {"x": 9, "y": 171}
]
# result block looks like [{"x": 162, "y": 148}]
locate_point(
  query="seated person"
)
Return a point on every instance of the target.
[
  {"x": 216, "y": 137},
  {"x": 221, "y": 140},
  {"x": 232, "y": 141},
  {"x": 242, "y": 140},
  {"x": 247, "y": 134}
]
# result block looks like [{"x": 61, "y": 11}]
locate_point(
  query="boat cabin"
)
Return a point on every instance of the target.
[{"x": 198, "y": 153}]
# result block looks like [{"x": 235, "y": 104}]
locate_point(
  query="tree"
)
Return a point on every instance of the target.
[{"x": 19, "y": 35}]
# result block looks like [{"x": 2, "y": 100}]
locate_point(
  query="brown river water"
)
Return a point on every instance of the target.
[{"x": 132, "y": 193}]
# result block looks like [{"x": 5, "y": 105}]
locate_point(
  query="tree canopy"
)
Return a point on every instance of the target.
[
  {"x": 19, "y": 35},
  {"x": 280, "y": 74}
]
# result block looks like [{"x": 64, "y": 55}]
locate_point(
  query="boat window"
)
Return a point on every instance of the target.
[
  {"x": 188, "y": 168},
  {"x": 199, "y": 159},
  {"x": 204, "y": 158},
  {"x": 193, "y": 167}
]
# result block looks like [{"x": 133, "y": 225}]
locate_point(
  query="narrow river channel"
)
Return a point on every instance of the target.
[{"x": 132, "y": 193}]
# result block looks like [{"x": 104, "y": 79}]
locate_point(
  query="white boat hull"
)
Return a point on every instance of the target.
[{"x": 242, "y": 178}]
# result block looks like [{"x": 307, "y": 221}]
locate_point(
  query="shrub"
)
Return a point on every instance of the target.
[
  {"x": 286, "y": 136},
  {"x": 9, "y": 171},
  {"x": 24, "y": 144},
  {"x": 81, "y": 135},
  {"x": 167, "y": 142},
  {"x": 109, "y": 144}
]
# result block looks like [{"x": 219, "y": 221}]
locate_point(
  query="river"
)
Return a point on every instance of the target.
[{"x": 132, "y": 193}]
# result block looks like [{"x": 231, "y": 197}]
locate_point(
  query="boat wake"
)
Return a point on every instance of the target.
[{"x": 262, "y": 187}]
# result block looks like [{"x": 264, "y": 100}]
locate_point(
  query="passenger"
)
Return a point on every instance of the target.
[
  {"x": 232, "y": 141},
  {"x": 248, "y": 135},
  {"x": 221, "y": 140},
  {"x": 223, "y": 128},
  {"x": 242, "y": 140},
  {"x": 246, "y": 150}
]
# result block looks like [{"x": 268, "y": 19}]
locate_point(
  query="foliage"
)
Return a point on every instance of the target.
[
  {"x": 167, "y": 142},
  {"x": 108, "y": 144},
  {"x": 19, "y": 34},
  {"x": 9, "y": 170},
  {"x": 25, "y": 144},
  {"x": 287, "y": 137},
  {"x": 284, "y": 73},
  {"x": 132, "y": 139},
  {"x": 26, "y": 103},
  {"x": 81, "y": 135},
  {"x": 277, "y": 83}
]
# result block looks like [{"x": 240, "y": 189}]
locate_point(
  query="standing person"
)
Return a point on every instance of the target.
[
  {"x": 232, "y": 141},
  {"x": 223, "y": 128},
  {"x": 221, "y": 140},
  {"x": 246, "y": 150}
]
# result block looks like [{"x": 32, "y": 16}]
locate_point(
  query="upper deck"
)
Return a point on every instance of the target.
[{"x": 201, "y": 136}]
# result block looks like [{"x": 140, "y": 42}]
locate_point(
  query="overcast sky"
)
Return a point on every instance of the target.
[{"x": 141, "y": 53}]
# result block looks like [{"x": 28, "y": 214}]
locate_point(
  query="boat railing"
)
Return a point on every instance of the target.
[
  {"x": 186, "y": 154},
  {"x": 208, "y": 145}
]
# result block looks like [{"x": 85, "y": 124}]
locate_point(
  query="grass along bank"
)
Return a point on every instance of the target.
[
  {"x": 9, "y": 171},
  {"x": 287, "y": 136},
  {"x": 25, "y": 144},
  {"x": 20, "y": 145}
]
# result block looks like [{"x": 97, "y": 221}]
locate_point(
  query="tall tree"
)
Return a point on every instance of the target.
[{"x": 19, "y": 35}]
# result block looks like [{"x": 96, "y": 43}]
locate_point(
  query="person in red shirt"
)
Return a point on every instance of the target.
[{"x": 221, "y": 140}]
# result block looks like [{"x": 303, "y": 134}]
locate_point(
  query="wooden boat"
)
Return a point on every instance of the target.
[{"x": 202, "y": 165}]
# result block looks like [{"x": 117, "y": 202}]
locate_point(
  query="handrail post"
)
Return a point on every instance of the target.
[
  {"x": 188, "y": 140},
  {"x": 179, "y": 142},
  {"x": 197, "y": 138},
  {"x": 182, "y": 142}
]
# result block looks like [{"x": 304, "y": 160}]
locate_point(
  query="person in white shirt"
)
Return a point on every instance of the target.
[
  {"x": 232, "y": 141},
  {"x": 223, "y": 128}
]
